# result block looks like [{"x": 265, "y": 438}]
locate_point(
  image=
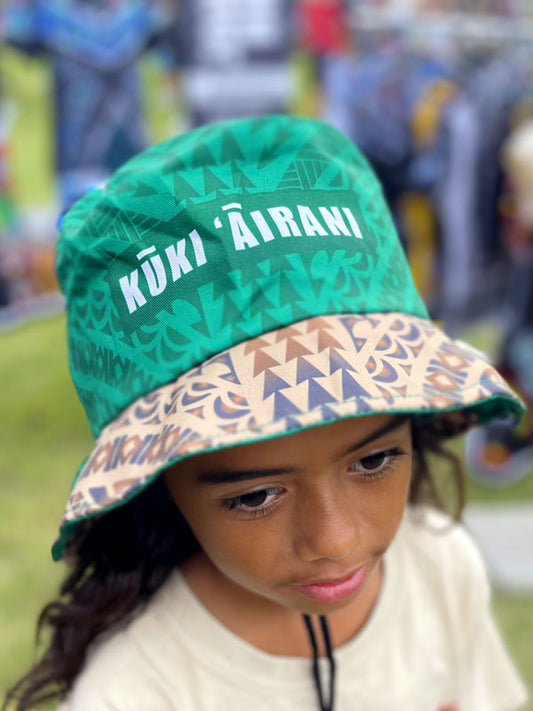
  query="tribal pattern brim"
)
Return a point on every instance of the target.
[{"x": 312, "y": 372}]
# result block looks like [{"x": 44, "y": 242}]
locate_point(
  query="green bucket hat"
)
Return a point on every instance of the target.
[{"x": 237, "y": 283}]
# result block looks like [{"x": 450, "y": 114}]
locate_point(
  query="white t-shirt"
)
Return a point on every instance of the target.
[{"x": 429, "y": 645}]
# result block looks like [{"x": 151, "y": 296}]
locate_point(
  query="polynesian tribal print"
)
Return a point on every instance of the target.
[
  {"x": 222, "y": 234},
  {"x": 237, "y": 283},
  {"x": 299, "y": 376}
]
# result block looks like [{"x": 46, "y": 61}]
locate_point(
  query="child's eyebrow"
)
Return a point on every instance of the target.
[
  {"x": 227, "y": 476},
  {"x": 393, "y": 424},
  {"x": 230, "y": 476}
]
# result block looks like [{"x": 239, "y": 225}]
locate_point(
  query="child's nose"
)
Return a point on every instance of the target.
[{"x": 326, "y": 529}]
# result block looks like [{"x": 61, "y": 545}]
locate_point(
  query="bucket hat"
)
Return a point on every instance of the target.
[{"x": 237, "y": 283}]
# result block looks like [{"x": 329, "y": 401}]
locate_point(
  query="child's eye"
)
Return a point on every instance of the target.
[
  {"x": 255, "y": 501},
  {"x": 376, "y": 465}
]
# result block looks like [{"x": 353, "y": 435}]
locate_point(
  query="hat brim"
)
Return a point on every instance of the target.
[{"x": 312, "y": 372}]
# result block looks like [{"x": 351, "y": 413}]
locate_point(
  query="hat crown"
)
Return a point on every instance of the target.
[{"x": 217, "y": 236}]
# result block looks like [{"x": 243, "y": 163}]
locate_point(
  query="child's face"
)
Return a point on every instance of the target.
[{"x": 303, "y": 520}]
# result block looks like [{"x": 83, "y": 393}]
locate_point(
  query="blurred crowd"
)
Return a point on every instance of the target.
[{"x": 437, "y": 94}]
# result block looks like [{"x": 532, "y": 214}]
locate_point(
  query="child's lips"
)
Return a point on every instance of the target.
[{"x": 332, "y": 590}]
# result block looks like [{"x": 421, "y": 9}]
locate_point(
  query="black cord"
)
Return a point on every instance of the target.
[
  {"x": 331, "y": 659},
  {"x": 316, "y": 671},
  {"x": 316, "y": 668}
]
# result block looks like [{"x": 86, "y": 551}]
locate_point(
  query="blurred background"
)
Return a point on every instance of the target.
[{"x": 438, "y": 94}]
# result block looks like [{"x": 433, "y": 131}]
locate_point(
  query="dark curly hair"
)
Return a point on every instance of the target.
[{"x": 118, "y": 560}]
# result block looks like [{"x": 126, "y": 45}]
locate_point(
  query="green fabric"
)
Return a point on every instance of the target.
[{"x": 217, "y": 236}]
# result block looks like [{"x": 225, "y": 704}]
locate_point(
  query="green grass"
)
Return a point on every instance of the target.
[
  {"x": 514, "y": 614},
  {"x": 42, "y": 441}
]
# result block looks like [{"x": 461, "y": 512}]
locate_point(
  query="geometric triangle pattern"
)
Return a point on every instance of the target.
[
  {"x": 213, "y": 237},
  {"x": 266, "y": 387}
]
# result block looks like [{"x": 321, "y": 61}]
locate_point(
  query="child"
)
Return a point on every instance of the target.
[{"x": 266, "y": 387}]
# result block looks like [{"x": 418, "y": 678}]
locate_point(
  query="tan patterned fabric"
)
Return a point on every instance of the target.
[{"x": 312, "y": 372}]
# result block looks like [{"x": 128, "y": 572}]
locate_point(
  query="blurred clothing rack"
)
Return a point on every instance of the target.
[{"x": 480, "y": 29}]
